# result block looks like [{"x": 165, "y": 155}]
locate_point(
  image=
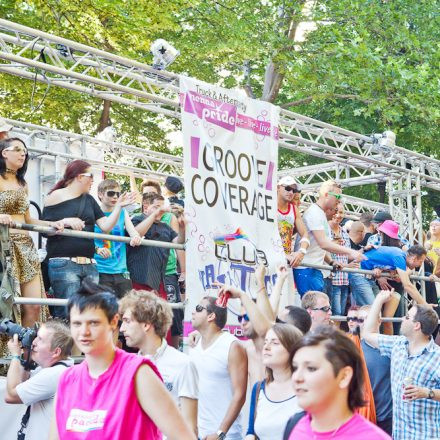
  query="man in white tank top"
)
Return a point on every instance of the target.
[{"x": 221, "y": 364}]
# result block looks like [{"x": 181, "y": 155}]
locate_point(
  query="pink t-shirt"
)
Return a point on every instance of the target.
[
  {"x": 105, "y": 408},
  {"x": 357, "y": 428}
]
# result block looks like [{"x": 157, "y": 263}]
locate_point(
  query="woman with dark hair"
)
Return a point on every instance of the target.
[
  {"x": 273, "y": 400},
  {"x": 112, "y": 394},
  {"x": 328, "y": 381},
  {"x": 14, "y": 207},
  {"x": 71, "y": 258}
]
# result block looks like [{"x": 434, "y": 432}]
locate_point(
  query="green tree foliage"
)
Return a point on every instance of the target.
[{"x": 366, "y": 65}]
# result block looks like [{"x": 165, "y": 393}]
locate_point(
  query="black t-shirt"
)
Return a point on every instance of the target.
[
  {"x": 60, "y": 246},
  {"x": 147, "y": 264},
  {"x": 355, "y": 246},
  {"x": 365, "y": 240}
]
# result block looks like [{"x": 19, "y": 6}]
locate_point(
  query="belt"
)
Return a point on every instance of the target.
[{"x": 77, "y": 260}]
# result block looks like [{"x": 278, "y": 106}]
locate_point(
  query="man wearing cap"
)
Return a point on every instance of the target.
[
  {"x": 316, "y": 220},
  {"x": 376, "y": 239},
  {"x": 5, "y": 128},
  {"x": 173, "y": 186},
  {"x": 290, "y": 218}
]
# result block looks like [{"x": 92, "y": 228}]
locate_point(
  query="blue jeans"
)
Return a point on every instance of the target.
[
  {"x": 363, "y": 290},
  {"x": 339, "y": 299},
  {"x": 308, "y": 279},
  {"x": 65, "y": 279}
]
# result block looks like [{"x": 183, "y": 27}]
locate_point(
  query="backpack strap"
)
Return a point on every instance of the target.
[{"x": 291, "y": 423}]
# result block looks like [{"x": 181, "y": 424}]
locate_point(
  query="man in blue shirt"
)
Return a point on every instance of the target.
[
  {"x": 395, "y": 260},
  {"x": 415, "y": 374},
  {"x": 111, "y": 256}
]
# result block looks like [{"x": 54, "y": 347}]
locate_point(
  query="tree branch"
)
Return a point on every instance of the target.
[{"x": 326, "y": 96}]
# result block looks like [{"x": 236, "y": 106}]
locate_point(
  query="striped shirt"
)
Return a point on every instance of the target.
[
  {"x": 417, "y": 419},
  {"x": 147, "y": 264},
  {"x": 341, "y": 278}
]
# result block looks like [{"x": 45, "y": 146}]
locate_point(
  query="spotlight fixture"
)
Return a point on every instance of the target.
[
  {"x": 381, "y": 142},
  {"x": 163, "y": 54}
]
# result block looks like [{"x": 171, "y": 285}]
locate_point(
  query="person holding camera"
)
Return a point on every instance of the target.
[{"x": 50, "y": 350}]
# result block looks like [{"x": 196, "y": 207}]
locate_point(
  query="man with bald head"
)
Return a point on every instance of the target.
[{"x": 363, "y": 289}]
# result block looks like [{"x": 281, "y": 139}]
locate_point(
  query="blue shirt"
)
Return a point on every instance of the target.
[
  {"x": 417, "y": 419},
  {"x": 380, "y": 378},
  {"x": 117, "y": 262},
  {"x": 385, "y": 257}
]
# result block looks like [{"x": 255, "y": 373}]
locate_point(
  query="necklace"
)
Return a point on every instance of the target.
[{"x": 8, "y": 170}]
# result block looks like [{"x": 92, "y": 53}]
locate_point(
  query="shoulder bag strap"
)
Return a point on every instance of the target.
[{"x": 292, "y": 422}]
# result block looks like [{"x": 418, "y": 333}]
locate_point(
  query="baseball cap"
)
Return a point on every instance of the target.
[
  {"x": 381, "y": 217},
  {"x": 4, "y": 126},
  {"x": 287, "y": 180},
  {"x": 173, "y": 184}
]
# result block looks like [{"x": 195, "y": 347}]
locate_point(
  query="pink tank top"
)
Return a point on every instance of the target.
[{"x": 105, "y": 408}]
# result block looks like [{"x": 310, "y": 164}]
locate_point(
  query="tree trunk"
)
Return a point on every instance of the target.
[{"x": 104, "y": 120}]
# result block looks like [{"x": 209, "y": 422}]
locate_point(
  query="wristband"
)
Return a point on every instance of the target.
[
  {"x": 303, "y": 250},
  {"x": 16, "y": 356},
  {"x": 305, "y": 240}
]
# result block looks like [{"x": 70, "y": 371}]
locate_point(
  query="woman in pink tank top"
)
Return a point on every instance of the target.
[
  {"x": 328, "y": 378},
  {"x": 112, "y": 395}
]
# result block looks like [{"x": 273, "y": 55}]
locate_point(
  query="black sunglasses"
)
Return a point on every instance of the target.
[
  {"x": 292, "y": 189},
  {"x": 243, "y": 317},
  {"x": 113, "y": 193},
  {"x": 200, "y": 308},
  {"x": 323, "y": 309},
  {"x": 354, "y": 319}
]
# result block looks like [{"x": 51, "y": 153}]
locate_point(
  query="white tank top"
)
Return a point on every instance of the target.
[
  {"x": 272, "y": 416},
  {"x": 286, "y": 225},
  {"x": 215, "y": 387}
]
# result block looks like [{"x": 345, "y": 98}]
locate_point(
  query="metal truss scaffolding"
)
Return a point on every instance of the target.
[{"x": 39, "y": 56}]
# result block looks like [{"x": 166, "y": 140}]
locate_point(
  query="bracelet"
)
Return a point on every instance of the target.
[
  {"x": 303, "y": 250},
  {"x": 305, "y": 240}
]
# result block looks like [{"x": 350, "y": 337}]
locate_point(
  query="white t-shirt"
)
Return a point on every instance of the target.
[
  {"x": 215, "y": 386},
  {"x": 39, "y": 391},
  {"x": 272, "y": 416},
  {"x": 178, "y": 372},
  {"x": 315, "y": 220}
]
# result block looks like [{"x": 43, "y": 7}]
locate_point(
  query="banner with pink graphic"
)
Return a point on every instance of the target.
[{"x": 230, "y": 167}]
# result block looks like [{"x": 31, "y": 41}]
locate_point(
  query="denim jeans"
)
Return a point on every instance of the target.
[
  {"x": 65, "y": 279},
  {"x": 363, "y": 290},
  {"x": 339, "y": 299},
  {"x": 308, "y": 279}
]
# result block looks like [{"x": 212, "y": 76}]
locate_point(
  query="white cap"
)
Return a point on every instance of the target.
[
  {"x": 4, "y": 126},
  {"x": 287, "y": 180}
]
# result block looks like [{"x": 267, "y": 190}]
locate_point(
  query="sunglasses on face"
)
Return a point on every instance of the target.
[
  {"x": 113, "y": 193},
  {"x": 244, "y": 317},
  {"x": 17, "y": 149},
  {"x": 325, "y": 309},
  {"x": 336, "y": 195},
  {"x": 200, "y": 308},
  {"x": 292, "y": 189},
  {"x": 87, "y": 175},
  {"x": 355, "y": 319}
]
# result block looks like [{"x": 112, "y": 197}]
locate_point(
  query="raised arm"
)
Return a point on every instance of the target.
[
  {"x": 262, "y": 298},
  {"x": 107, "y": 223},
  {"x": 325, "y": 243},
  {"x": 277, "y": 290}
]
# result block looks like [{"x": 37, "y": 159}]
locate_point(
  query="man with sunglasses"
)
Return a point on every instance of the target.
[
  {"x": 415, "y": 374},
  {"x": 289, "y": 219},
  {"x": 111, "y": 256},
  {"x": 316, "y": 220},
  {"x": 317, "y": 304},
  {"x": 221, "y": 364}
]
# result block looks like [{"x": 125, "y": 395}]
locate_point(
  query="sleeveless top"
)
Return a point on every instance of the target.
[
  {"x": 106, "y": 407},
  {"x": 14, "y": 201},
  {"x": 215, "y": 387},
  {"x": 286, "y": 225}
]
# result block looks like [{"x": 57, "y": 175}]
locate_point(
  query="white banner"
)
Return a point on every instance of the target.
[{"x": 230, "y": 168}]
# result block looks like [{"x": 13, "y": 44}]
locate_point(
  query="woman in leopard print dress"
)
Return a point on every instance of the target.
[{"x": 14, "y": 207}]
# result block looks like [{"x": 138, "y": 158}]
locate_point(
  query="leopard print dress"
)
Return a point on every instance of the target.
[{"x": 24, "y": 256}]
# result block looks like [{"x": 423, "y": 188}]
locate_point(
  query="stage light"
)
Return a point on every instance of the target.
[{"x": 163, "y": 54}]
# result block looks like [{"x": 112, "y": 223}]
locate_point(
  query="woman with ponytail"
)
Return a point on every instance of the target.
[
  {"x": 71, "y": 259},
  {"x": 14, "y": 207}
]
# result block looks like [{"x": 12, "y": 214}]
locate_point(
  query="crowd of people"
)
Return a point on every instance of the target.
[{"x": 295, "y": 375}]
